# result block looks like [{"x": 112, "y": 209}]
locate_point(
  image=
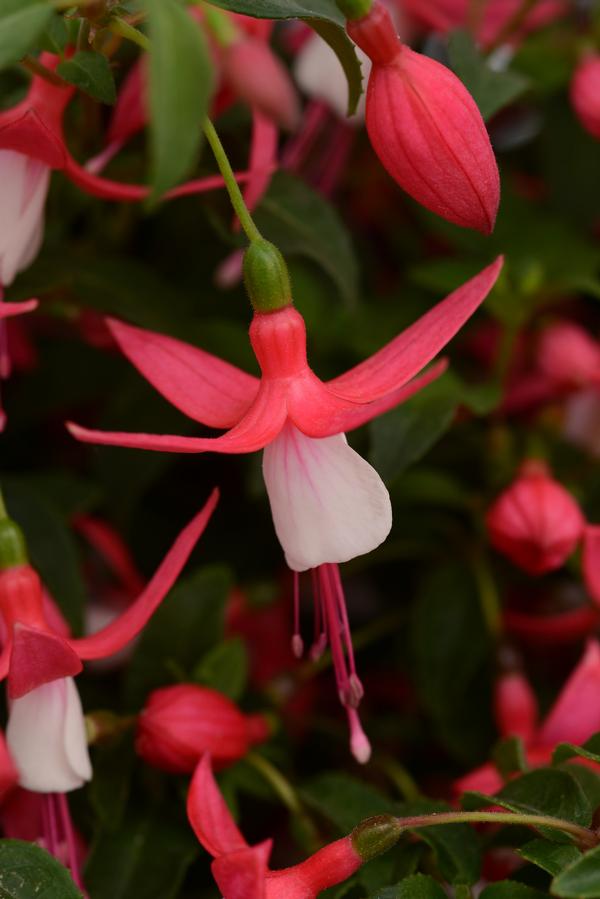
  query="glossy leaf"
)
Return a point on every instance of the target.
[
  {"x": 581, "y": 880},
  {"x": 91, "y": 73},
  {"x": 590, "y": 750},
  {"x": 285, "y": 9},
  {"x": 224, "y": 668},
  {"x": 549, "y": 856},
  {"x": 29, "y": 872}
]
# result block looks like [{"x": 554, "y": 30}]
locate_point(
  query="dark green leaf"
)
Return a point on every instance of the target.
[
  {"x": 189, "y": 621},
  {"x": 419, "y": 886},
  {"x": 345, "y": 801},
  {"x": 581, "y": 880},
  {"x": 456, "y": 846},
  {"x": 109, "y": 789},
  {"x": 180, "y": 89},
  {"x": 303, "y": 223},
  {"x": 590, "y": 750},
  {"x": 225, "y": 668},
  {"x": 91, "y": 73},
  {"x": 510, "y": 889},
  {"x": 21, "y": 24},
  {"x": 343, "y": 48},
  {"x": 509, "y": 756},
  {"x": 551, "y": 857},
  {"x": 490, "y": 89},
  {"x": 28, "y": 872},
  {"x": 285, "y": 9}
]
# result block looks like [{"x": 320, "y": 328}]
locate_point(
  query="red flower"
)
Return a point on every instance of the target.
[
  {"x": 426, "y": 128},
  {"x": 180, "y": 724},
  {"x": 585, "y": 93}
]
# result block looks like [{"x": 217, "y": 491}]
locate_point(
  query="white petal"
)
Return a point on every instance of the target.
[
  {"x": 320, "y": 75},
  {"x": 46, "y": 738},
  {"x": 23, "y": 190},
  {"x": 328, "y": 503}
]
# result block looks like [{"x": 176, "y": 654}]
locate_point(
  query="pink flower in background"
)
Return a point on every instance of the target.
[
  {"x": 426, "y": 128},
  {"x": 585, "y": 93},
  {"x": 328, "y": 504},
  {"x": 574, "y": 718}
]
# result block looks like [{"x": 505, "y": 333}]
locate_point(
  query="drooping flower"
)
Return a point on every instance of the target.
[
  {"x": 241, "y": 871},
  {"x": 574, "y": 718},
  {"x": 426, "y": 128},
  {"x": 328, "y": 504},
  {"x": 585, "y": 99},
  {"x": 180, "y": 724}
]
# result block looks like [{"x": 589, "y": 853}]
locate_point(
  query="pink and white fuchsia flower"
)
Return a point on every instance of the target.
[{"x": 328, "y": 504}]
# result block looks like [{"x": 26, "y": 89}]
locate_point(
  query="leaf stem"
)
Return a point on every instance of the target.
[
  {"x": 513, "y": 23},
  {"x": 584, "y": 837},
  {"x": 124, "y": 29},
  {"x": 286, "y": 792},
  {"x": 235, "y": 194}
]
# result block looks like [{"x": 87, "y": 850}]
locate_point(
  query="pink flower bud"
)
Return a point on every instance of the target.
[
  {"x": 515, "y": 706},
  {"x": 257, "y": 76},
  {"x": 179, "y": 724},
  {"x": 426, "y": 128},
  {"x": 585, "y": 93},
  {"x": 569, "y": 356},
  {"x": 535, "y": 522}
]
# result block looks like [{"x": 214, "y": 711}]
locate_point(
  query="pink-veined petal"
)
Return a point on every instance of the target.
[
  {"x": 575, "y": 716},
  {"x": 258, "y": 427},
  {"x": 199, "y": 384},
  {"x": 116, "y": 635},
  {"x": 591, "y": 561},
  {"x": 405, "y": 356},
  {"x": 7, "y": 310},
  {"x": 209, "y": 816},
  {"x": 243, "y": 874}
]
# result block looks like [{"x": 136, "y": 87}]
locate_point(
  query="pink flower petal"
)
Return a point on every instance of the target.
[
  {"x": 591, "y": 561},
  {"x": 575, "y": 716},
  {"x": 209, "y": 816},
  {"x": 199, "y": 384},
  {"x": 7, "y": 310},
  {"x": 116, "y": 635}
]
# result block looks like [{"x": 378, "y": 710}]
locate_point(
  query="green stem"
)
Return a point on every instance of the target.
[
  {"x": 283, "y": 788},
  {"x": 584, "y": 837},
  {"x": 37, "y": 68},
  {"x": 220, "y": 25},
  {"x": 475, "y": 14},
  {"x": 124, "y": 29},
  {"x": 235, "y": 194},
  {"x": 402, "y": 780}
]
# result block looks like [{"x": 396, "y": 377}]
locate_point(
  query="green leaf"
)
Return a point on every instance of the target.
[
  {"x": 225, "y": 668},
  {"x": 344, "y": 800},
  {"x": 109, "y": 789},
  {"x": 456, "y": 846},
  {"x": 581, "y": 880},
  {"x": 21, "y": 24},
  {"x": 91, "y": 73},
  {"x": 419, "y": 886},
  {"x": 181, "y": 82},
  {"x": 509, "y": 756},
  {"x": 510, "y": 889},
  {"x": 490, "y": 89},
  {"x": 590, "y": 750},
  {"x": 303, "y": 223},
  {"x": 189, "y": 621},
  {"x": 403, "y": 436},
  {"x": 551, "y": 857},
  {"x": 29, "y": 872},
  {"x": 285, "y": 9},
  {"x": 343, "y": 48}
]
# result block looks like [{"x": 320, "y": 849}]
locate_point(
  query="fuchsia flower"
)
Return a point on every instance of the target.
[
  {"x": 46, "y": 732},
  {"x": 574, "y": 718},
  {"x": 180, "y": 724},
  {"x": 585, "y": 93},
  {"x": 328, "y": 504},
  {"x": 241, "y": 871},
  {"x": 426, "y": 128},
  {"x": 568, "y": 356}
]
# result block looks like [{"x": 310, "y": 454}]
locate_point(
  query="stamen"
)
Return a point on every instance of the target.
[
  {"x": 69, "y": 834},
  {"x": 359, "y": 742},
  {"x": 5, "y": 365},
  {"x": 297, "y": 641}
]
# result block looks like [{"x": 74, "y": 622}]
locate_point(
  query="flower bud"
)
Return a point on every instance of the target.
[
  {"x": 585, "y": 93},
  {"x": 376, "y": 835},
  {"x": 569, "y": 356},
  {"x": 426, "y": 128},
  {"x": 266, "y": 277},
  {"x": 179, "y": 724},
  {"x": 535, "y": 522}
]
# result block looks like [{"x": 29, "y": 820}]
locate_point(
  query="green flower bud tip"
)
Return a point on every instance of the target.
[
  {"x": 13, "y": 550},
  {"x": 376, "y": 835},
  {"x": 355, "y": 9},
  {"x": 266, "y": 277}
]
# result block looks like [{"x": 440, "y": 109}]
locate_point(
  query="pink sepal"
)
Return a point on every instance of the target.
[
  {"x": 38, "y": 657},
  {"x": 116, "y": 635},
  {"x": 262, "y": 162},
  {"x": 199, "y": 384},
  {"x": 575, "y": 716},
  {"x": 7, "y": 310},
  {"x": 209, "y": 816},
  {"x": 243, "y": 874},
  {"x": 591, "y": 560}
]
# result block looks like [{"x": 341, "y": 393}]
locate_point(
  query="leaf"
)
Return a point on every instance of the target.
[
  {"x": 344, "y": 800},
  {"x": 581, "y": 880},
  {"x": 419, "y": 886},
  {"x": 51, "y": 547},
  {"x": 146, "y": 858},
  {"x": 285, "y": 9},
  {"x": 29, "y": 872},
  {"x": 303, "y": 223},
  {"x": 456, "y": 846},
  {"x": 343, "y": 48},
  {"x": 590, "y": 750},
  {"x": 551, "y": 857},
  {"x": 181, "y": 82},
  {"x": 91, "y": 73},
  {"x": 225, "y": 668},
  {"x": 403, "y": 436},
  {"x": 510, "y": 889},
  {"x": 509, "y": 756},
  {"x": 109, "y": 789},
  {"x": 189, "y": 621},
  {"x": 490, "y": 89},
  {"x": 21, "y": 24}
]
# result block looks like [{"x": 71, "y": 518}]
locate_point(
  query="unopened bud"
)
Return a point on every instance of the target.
[
  {"x": 266, "y": 277},
  {"x": 376, "y": 835}
]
